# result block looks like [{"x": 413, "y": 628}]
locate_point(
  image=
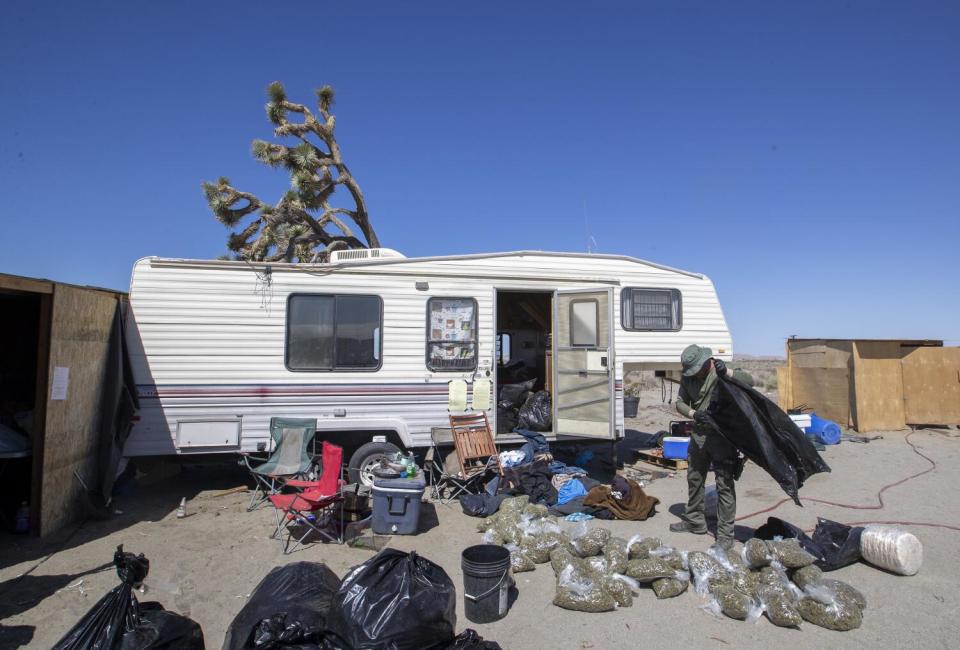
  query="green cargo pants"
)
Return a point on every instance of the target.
[{"x": 707, "y": 447}]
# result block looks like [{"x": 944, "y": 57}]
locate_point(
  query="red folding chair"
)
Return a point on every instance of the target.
[{"x": 314, "y": 507}]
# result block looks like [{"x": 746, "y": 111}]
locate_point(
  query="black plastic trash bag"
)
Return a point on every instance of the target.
[
  {"x": 765, "y": 434},
  {"x": 839, "y": 544},
  {"x": 119, "y": 622},
  {"x": 481, "y": 505},
  {"x": 158, "y": 628},
  {"x": 470, "y": 640},
  {"x": 288, "y": 609},
  {"x": 506, "y": 419},
  {"x": 514, "y": 395},
  {"x": 394, "y": 601},
  {"x": 535, "y": 412},
  {"x": 834, "y": 545}
]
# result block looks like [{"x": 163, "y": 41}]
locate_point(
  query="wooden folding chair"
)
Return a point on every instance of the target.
[{"x": 476, "y": 449}]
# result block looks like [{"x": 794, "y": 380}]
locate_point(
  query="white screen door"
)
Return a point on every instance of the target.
[{"x": 583, "y": 368}]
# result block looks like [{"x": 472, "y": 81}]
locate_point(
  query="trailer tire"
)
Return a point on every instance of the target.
[{"x": 364, "y": 458}]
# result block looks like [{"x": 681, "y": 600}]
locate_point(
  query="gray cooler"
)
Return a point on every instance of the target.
[{"x": 396, "y": 505}]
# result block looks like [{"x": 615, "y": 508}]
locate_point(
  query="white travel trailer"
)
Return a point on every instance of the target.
[{"x": 379, "y": 348}]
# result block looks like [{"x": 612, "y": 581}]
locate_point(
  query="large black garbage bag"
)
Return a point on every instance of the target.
[
  {"x": 394, "y": 601},
  {"x": 514, "y": 395},
  {"x": 535, "y": 414},
  {"x": 776, "y": 527},
  {"x": 834, "y": 545},
  {"x": 765, "y": 434},
  {"x": 481, "y": 505},
  {"x": 118, "y": 622},
  {"x": 288, "y": 609},
  {"x": 506, "y": 419},
  {"x": 470, "y": 640},
  {"x": 158, "y": 628},
  {"x": 839, "y": 544}
]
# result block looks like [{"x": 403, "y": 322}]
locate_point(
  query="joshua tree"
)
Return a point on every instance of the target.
[{"x": 302, "y": 225}]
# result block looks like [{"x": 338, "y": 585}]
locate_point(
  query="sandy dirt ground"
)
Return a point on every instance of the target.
[{"x": 207, "y": 564}]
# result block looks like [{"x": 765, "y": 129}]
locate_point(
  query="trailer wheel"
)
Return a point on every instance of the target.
[{"x": 366, "y": 458}]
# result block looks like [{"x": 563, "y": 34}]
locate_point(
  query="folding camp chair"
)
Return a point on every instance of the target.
[
  {"x": 433, "y": 462},
  {"x": 476, "y": 453},
  {"x": 316, "y": 507},
  {"x": 289, "y": 459}
]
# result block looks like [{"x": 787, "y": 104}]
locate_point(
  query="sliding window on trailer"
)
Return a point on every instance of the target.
[{"x": 333, "y": 332}]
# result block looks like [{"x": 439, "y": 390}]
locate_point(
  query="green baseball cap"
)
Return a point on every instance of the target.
[{"x": 693, "y": 357}]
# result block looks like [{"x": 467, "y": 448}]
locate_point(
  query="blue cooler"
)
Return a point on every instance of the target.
[
  {"x": 675, "y": 447},
  {"x": 396, "y": 505}
]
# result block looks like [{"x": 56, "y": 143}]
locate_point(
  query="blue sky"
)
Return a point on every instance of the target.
[{"x": 805, "y": 156}]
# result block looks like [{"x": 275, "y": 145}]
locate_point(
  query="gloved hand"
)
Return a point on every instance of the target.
[
  {"x": 720, "y": 367},
  {"x": 701, "y": 418}
]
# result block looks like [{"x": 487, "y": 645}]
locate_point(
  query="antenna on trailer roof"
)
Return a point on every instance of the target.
[{"x": 591, "y": 242}]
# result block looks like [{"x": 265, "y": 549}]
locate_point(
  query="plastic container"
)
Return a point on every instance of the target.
[
  {"x": 486, "y": 582},
  {"x": 827, "y": 431},
  {"x": 396, "y": 505},
  {"x": 674, "y": 447}
]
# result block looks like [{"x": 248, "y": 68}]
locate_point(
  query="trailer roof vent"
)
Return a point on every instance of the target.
[{"x": 362, "y": 254}]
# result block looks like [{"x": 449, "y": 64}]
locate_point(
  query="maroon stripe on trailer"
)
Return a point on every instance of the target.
[{"x": 303, "y": 390}]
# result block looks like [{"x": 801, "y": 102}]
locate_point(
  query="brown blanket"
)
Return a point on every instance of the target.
[{"x": 636, "y": 507}]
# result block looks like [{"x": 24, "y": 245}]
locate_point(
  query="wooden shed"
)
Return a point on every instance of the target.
[
  {"x": 872, "y": 384},
  {"x": 54, "y": 360}
]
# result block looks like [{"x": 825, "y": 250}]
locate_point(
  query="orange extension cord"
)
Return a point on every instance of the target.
[{"x": 880, "y": 504}]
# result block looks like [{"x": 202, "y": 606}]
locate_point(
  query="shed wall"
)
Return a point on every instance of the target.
[
  {"x": 79, "y": 335},
  {"x": 878, "y": 399}
]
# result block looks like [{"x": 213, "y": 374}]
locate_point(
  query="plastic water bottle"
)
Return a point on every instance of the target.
[
  {"x": 182, "y": 510},
  {"x": 22, "y": 519}
]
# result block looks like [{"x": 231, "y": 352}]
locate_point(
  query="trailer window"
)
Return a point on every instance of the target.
[
  {"x": 333, "y": 332},
  {"x": 451, "y": 334},
  {"x": 503, "y": 348},
  {"x": 651, "y": 309},
  {"x": 584, "y": 323}
]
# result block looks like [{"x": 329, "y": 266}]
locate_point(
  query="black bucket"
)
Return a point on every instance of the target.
[{"x": 486, "y": 582}]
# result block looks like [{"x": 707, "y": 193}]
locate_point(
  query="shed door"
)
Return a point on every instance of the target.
[
  {"x": 931, "y": 385},
  {"x": 583, "y": 368}
]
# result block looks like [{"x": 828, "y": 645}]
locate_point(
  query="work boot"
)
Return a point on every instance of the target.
[
  {"x": 685, "y": 527},
  {"x": 725, "y": 543}
]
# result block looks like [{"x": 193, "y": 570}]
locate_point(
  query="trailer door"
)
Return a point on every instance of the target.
[{"x": 583, "y": 376}]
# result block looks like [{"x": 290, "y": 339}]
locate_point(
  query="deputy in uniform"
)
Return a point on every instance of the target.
[{"x": 700, "y": 376}]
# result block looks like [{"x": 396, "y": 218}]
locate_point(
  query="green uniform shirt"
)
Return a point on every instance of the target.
[{"x": 695, "y": 393}]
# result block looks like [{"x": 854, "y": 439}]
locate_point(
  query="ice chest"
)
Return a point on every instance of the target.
[
  {"x": 396, "y": 505},
  {"x": 675, "y": 447}
]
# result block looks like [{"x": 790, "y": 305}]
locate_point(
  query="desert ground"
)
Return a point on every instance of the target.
[{"x": 206, "y": 565}]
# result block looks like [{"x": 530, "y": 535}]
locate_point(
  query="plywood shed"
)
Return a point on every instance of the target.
[
  {"x": 57, "y": 340},
  {"x": 873, "y": 385}
]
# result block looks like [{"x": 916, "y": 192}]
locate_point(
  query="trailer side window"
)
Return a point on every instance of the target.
[
  {"x": 451, "y": 334},
  {"x": 340, "y": 332},
  {"x": 651, "y": 309}
]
